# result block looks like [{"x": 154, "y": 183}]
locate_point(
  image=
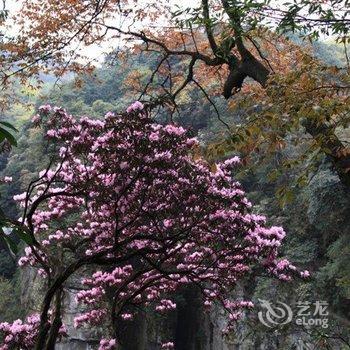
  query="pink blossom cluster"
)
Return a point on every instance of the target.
[
  {"x": 165, "y": 304},
  {"x": 127, "y": 197},
  {"x": 107, "y": 344},
  {"x": 45, "y": 108},
  {"x": 174, "y": 130},
  {"x": 127, "y": 317},
  {"x": 136, "y": 106},
  {"x": 92, "y": 317},
  {"x": 30, "y": 258},
  {"x": 7, "y": 179},
  {"x": 19, "y": 333},
  {"x": 168, "y": 345}
]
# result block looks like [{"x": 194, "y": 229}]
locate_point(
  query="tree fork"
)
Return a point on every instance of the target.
[{"x": 323, "y": 134}]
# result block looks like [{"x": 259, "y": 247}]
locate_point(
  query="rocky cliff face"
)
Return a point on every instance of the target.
[{"x": 78, "y": 339}]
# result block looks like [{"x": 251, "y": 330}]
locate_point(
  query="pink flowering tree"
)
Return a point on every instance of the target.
[{"x": 126, "y": 205}]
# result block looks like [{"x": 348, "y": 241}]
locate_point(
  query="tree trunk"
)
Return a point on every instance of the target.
[{"x": 333, "y": 148}]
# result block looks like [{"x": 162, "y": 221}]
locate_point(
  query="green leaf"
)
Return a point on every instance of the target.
[
  {"x": 23, "y": 236},
  {"x": 8, "y": 125},
  {"x": 12, "y": 246},
  {"x": 5, "y": 134}
]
